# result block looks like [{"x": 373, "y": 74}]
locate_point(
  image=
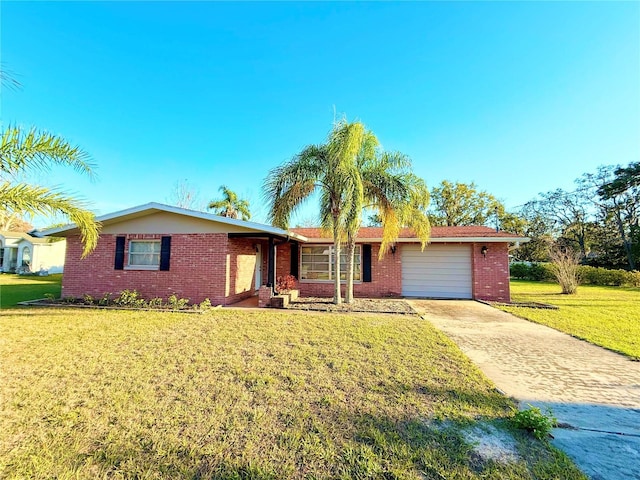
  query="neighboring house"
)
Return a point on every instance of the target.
[
  {"x": 22, "y": 252},
  {"x": 160, "y": 250}
]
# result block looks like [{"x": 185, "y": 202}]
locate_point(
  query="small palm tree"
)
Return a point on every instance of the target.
[
  {"x": 350, "y": 174},
  {"x": 397, "y": 197},
  {"x": 21, "y": 152},
  {"x": 230, "y": 205},
  {"x": 331, "y": 171}
]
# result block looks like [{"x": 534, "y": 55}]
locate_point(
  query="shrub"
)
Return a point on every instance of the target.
[
  {"x": 155, "y": 302},
  {"x": 105, "y": 300},
  {"x": 285, "y": 284},
  {"x": 205, "y": 304},
  {"x": 587, "y": 275},
  {"x": 531, "y": 271},
  {"x": 129, "y": 298},
  {"x": 541, "y": 272},
  {"x": 534, "y": 421},
  {"x": 519, "y": 270},
  {"x": 564, "y": 265},
  {"x": 602, "y": 276},
  {"x": 50, "y": 297},
  {"x": 177, "y": 303},
  {"x": 634, "y": 278}
]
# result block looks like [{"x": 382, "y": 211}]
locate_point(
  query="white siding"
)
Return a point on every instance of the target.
[{"x": 440, "y": 271}]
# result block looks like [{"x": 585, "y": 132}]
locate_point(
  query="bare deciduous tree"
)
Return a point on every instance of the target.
[
  {"x": 185, "y": 195},
  {"x": 564, "y": 266}
]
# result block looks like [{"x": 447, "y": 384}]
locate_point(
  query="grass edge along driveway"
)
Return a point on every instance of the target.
[
  {"x": 240, "y": 394},
  {"x": 605, "y": 316}
]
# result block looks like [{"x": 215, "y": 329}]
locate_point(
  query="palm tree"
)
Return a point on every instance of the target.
[
  {"x": 397, "y": 197},
  {"x": 330, "y": 170},
  {"x": 21, "y": 152},
  {"x": 230, "y": 205}
]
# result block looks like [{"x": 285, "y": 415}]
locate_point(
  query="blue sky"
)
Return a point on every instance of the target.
[{"x": 519, "y": 98}]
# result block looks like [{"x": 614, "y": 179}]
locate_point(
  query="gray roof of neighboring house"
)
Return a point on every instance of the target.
[{"x": 24, "y": 237}]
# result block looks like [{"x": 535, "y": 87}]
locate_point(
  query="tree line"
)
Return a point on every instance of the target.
[{"x": 598, "y": 219}]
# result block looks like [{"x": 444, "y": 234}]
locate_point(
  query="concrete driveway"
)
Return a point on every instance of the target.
[{"x": 590, "y": 388}]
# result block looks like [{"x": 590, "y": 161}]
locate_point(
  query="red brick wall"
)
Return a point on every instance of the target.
[
  {"x": 202, "y": 266},
  {"x": 223, "y": 270},
  {"x": 491, "y": 272},
  {"x": 386, "y": 276}
]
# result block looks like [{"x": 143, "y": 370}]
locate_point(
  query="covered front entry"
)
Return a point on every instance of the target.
[{"x": 440, "y": 271}]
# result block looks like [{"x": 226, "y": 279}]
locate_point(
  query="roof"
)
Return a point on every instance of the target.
[
  {"x": 153, "y": 207},
  {"x": 438, "y": 235},
  {"x": 312, "y": 235},
  {"x": 24, "y": 237},
  {"x": 9, "y": 234}
]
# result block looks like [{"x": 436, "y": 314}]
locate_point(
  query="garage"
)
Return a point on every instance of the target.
[{"x": 440, "y": 271}]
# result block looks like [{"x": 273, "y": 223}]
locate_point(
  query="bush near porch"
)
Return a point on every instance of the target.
[{"x": 238, "y": 394}]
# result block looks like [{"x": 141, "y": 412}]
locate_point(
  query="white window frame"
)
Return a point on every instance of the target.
[
  {"x": 357, "y": 270},
  {"x": 151, "y": 266},
  {"x": 29, "y": 261}
]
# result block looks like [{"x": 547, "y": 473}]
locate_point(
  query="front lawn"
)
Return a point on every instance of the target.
[
  {"x": 239, "y": 394},
  {"x": 18, "y": 288},
  {"x": 605, "y": 316}
]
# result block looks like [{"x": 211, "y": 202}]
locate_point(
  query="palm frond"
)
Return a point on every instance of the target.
[
  {"x": 230, "y": 205},
  {"x": 7, "y": 78},
  {"x": 35, "y": 150},
  {"x": 289, "y": 185},
  {"x": 33, "y": 200}
]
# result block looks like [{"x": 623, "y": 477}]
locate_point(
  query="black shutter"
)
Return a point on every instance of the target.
[
  {"x": 366, "y": 263},
  {"x": 119, "y": 261},
  {"x": 165, "y": 253},
  {"x": 294, "y": 259}
]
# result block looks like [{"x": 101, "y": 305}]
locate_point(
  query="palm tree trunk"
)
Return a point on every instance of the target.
[
  {"x": 351, "y": 250},
  {"x": 337, "y": 295}
]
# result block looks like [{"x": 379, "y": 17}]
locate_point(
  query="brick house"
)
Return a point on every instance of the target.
[{"x": 161, "y": 250}]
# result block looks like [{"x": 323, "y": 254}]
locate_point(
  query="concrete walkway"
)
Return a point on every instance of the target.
[{"x": 587, "y": 387}]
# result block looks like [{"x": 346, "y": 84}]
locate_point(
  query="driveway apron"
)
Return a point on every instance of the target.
[{"x": 593, "y": 390}]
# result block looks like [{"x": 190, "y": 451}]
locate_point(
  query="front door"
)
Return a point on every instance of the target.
[{"x": 258, "y": 281}]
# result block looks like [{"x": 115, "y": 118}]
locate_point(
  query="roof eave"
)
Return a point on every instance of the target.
[
  {"x": 432, "y": 240},
  {"x": 153, "y": 207}
]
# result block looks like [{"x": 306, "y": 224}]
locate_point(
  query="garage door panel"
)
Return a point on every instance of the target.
[
  {"x": 446, "y": 279},
  {"x": 440, "y": 271}
]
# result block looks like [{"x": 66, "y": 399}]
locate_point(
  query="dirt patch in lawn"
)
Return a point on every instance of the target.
[
  {"x": 489, "y": 443},
  {"x": 373, "y": 305}
]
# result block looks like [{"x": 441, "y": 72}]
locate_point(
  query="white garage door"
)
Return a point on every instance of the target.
[{"x": 440, "y": 271}]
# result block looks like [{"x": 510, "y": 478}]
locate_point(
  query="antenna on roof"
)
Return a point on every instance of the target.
[{"x": 495, "y": 209}]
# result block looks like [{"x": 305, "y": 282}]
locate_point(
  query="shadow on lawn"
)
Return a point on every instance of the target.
[{"x": 362, "y": 446}]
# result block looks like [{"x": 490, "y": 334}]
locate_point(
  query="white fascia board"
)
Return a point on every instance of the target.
[
  {"x": 154, "y": 207},
  {"x": 468, "y": 240},
  {"x": 326, "y": 240}
]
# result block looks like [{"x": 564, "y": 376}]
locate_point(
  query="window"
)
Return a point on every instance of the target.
[
  {"x": 26, "y": 257},
  {"x": 144, "y": 253},
  {"x": 317, "y": 263}
]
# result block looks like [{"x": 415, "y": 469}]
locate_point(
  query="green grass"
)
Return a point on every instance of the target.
[
  {"x": 18, "y": 288},
  {"x": 605, "y": 316},
  {"x": 240, "y": 394}
]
